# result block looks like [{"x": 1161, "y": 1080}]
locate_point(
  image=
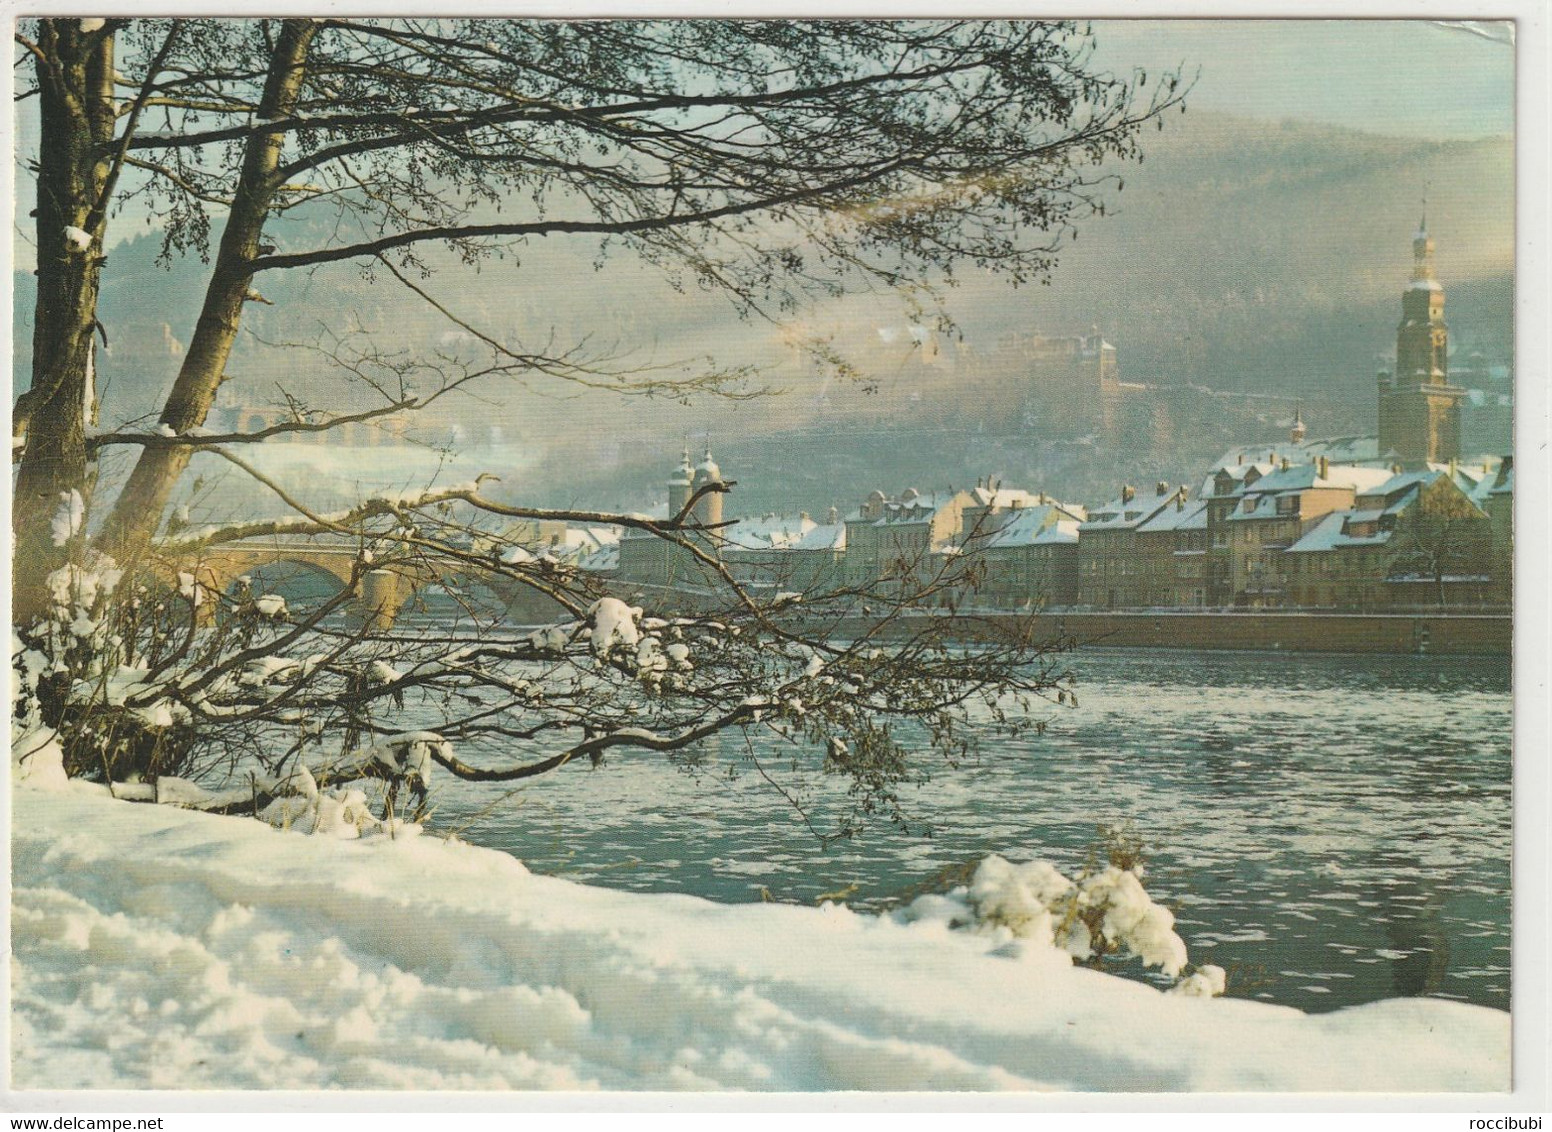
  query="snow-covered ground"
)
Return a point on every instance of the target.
[{"x": 160, "y": 948}]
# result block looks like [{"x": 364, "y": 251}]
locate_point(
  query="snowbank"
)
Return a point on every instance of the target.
[{"x": 156, "y": 947}]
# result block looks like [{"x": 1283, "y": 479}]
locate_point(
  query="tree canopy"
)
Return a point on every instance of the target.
[{"x": 769, "y": 161}]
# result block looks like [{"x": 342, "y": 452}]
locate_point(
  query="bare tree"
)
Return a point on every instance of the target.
[
  {"x": 772, "y": 162},
  {"x": 1443, "y": 534}
]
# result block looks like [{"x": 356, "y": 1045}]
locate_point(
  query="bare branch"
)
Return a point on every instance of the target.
[{"x": 257, "y": 436}]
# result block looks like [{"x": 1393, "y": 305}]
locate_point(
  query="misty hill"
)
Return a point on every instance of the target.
[
  {"x": 1258, "y": 256},
  {"x": 1241, "y": 255}
]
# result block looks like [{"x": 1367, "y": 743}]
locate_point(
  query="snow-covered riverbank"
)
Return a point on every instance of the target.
[{"x": 160, "y": 948}]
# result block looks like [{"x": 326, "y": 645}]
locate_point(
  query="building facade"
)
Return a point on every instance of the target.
[
  {"x": 1031, "y": 560},
  {"x": 1111, "y": 569},
  {"x": 1417, "y": 539}
]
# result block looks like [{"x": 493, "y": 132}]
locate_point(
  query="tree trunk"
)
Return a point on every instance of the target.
[
  {"x": 75, "y": 94},
  {"x": 139, "y": 509}
]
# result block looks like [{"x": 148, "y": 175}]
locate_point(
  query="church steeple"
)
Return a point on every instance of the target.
[
  {"x": 1422, "y": 339},
  {"x": 1419, "y": 410},
  {"x": 708, "y": 509},
  {"x": 679, "y": 485}
]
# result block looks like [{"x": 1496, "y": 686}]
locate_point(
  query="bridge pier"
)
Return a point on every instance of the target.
[{"x": 383, "y": 594}]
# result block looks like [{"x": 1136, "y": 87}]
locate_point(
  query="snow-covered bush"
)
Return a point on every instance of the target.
[
  {"x": 301, "y": 805},
  {"x": 1093, "y": 917},
  {"x": 79, "y": 674}
]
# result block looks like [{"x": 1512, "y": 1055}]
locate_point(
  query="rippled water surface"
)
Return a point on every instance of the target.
[{"x": 1331, "y": 830}]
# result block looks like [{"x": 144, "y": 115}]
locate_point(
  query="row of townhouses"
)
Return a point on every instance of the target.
[
  {"x": 1276, "y": 531},
  {"x": 1395, "y": 519}
]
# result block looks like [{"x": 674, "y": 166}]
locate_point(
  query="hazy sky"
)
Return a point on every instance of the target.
[{"x": 1412, "y": 77}]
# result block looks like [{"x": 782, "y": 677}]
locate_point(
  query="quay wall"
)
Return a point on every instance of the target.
[
  {"x": 1472, "y": 634},
  {"x": 1384, "y": 633},
  {"x": 1394, "y": 633}
]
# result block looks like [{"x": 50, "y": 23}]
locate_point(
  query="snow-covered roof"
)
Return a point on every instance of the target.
[
  {"x": 1236, "y": 473},
  {"x": 1240, "y": 471},
  {"x": 1331, "y": 533},
  {"x": 766, "y": 532},
  {"x": 1295, "y": 477},
  {"x": 1336, "y": 450},
  {"x": 1397, "y": 486},
  {"x": 823, "y": 536},
  {"x": 1299, "y": 477},
  {"x": 590, "y": 537},
  {"x": 1357, "y": 477},
  {"x": 911, "y": 507},
  {"x": 1122, "y": 513},
  {"x": 1402, "y": 489},
  {"x": 1254, "y": 507},
  {"x": 1188, "y": 516},
  {"x": 569, "y": 545},
  {"x": 1001, "y": 497},
  {"x": 1034, "y": 526},
  {"x": 601, "y": 559}
]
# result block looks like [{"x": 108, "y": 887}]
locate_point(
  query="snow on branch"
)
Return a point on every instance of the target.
[{"x": 199, "y": 438}]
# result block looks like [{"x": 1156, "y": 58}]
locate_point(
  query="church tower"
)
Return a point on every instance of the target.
[
  {"x": 679, "y": 485},
  {"x": 1419, "y": 410},
  {"x": 708, "y": 509}
]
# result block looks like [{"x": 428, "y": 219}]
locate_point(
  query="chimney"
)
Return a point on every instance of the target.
[
  {"x": 803, "y": 517},
  {"x": 1161, "y": 488},
  {"x": 1323, "y": 466},
  {"x": 1284, "y": 464},
  {"x": 1128, "y": 493},
  {"x": 1241, "y": 459},
  {"x": 1454, "y": 466},
  {"x": 833, "y": 516}
]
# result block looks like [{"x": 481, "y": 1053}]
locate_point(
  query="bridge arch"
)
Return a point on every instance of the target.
[
  {"x": 303, "y": 583},
  {"x": 308, "y": 570}
]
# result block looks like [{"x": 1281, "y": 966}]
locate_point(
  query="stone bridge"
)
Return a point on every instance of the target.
[{"x": 384, "y": 591}]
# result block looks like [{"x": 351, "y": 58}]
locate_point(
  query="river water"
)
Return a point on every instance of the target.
[{"x": 1331, "y": 830}]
